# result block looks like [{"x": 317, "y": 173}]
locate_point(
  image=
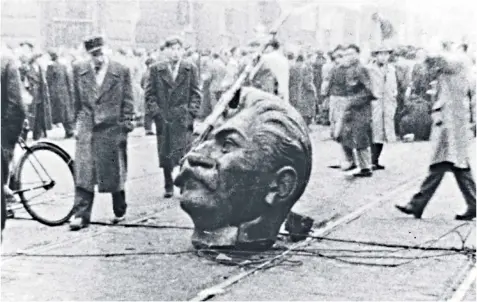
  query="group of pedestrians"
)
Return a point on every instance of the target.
[{"x": 366, "y": 106}]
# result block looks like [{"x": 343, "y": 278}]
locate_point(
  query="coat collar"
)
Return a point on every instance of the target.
[
  {"x": 166, "y": 73},
  {"x": 110, "y": 79}
]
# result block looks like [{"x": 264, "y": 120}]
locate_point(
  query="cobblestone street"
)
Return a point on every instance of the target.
[{"x": 159, "y": 263}]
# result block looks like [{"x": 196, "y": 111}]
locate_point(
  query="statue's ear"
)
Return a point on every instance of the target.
[
  {"x": 283, "y": 185},
  {"x": 235, "y": 101}
]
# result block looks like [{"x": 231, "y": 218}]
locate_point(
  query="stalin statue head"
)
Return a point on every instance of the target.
[{"x": 239, "y": 184}]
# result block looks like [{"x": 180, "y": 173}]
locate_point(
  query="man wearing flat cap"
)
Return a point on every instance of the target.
[
  {"x": 385, "y": 86},
  {"x": 173, "y": 98},
  {"x": 104, "y": 110}
]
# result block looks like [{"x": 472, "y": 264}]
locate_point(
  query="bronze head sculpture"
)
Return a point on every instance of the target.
[{"x": 240, "y": 183}]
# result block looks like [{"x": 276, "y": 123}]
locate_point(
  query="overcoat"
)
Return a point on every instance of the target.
[
  {"x": 40, "y": 108},
  {"x": 384, "y": 83},
  {"x": 355, "y": 132},
  {"x": 13, "y": 111},
  {"x": 175, "y": 105},
  {"x": 302, "y": 93},
  {"x": 103, "y": 121},
  {"x": 451, "y": 120},
  {"x": 273, "y": 75},
  {"x": 59, "y": 88},
  {"x": 334, "y": 89}
]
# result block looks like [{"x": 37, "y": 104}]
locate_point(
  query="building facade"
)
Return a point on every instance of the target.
[{"x": 210, "y": 23}]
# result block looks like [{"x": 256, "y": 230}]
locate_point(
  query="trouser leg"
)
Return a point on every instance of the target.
[
  {"x": 429, "y": 186},
  {"x": 376, "y": 150},
  {"x": 4, "y": 202},
  {"x": 83, "y": 204},
  {"x": 119, "y": 203},
  {"x": 168, "y": 182},
  {"x": 348, "y": 155},
  {"x": 68, "y": 126},
  {"x": 218, "y": 95},
  {"x": 466, "y": 184},
  {"x": 147, "y": 122},
  {"x": 307, "y": 120},
  {"x": 363, "y": 158}
]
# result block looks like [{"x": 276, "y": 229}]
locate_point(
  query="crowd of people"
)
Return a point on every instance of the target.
[{"x": 366, "y": 102}]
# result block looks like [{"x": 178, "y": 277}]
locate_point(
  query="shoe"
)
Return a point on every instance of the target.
[
  {"x": 363, "y": 173},
  {"x": 118, "y": 219},
  {"x": 349, "y": 168},
  {"x": 10, "y": 214},
  {"x": 168, "y": 194},
  {"x": 378, "y": 167},
  {"x": 468, "y": 215},
  {"x": 77, "y": 224},
  {"x": 149, "y": 133},
  {"x": 407, "y": 209}
]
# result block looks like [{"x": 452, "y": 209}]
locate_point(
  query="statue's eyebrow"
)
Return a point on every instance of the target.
[{"x": 223, "y": 132}]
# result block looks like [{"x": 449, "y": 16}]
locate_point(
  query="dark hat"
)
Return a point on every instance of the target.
[
  {"x": 205, "y": 52},
  {"x": 382, "y": 49},
  {"x": 319, "y": 53},
  {"x": 26, "y": 43},
  {"x": 149, "y": 61},
  {"x": 173, "y": 41},
  {"x": 93, "y": 44},
  {"x": 53, "y": 55},
  {"x": 254, "y": 43}
]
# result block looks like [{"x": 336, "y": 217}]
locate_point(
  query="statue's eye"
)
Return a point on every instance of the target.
[{"x": 227, "y": 145}]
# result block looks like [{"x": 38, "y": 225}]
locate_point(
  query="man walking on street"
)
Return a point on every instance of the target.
[
  {"x": 355, "y": 132},
  {"x": 384, "y": 83},
  {"x": 173, "y": 98},
  {"x": 13, "y": 115},
  {"x": 58, "y": 82},
  {"x": 104, "y": 109},
  {"x": 451, "y": 133}
]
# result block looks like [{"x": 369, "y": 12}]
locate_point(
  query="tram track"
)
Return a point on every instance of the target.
[
  {"x": 219, "y": 288},
  {"x": 165, "y": 205}
]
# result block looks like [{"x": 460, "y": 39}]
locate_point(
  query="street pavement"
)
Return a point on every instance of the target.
[{"x": 158, "y": 262}]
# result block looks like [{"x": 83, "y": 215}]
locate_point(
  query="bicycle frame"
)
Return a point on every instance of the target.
[{"x": 47, "y": 185}]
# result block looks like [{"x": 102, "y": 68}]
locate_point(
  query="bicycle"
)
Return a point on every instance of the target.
[{"x": 47, "y": 183}]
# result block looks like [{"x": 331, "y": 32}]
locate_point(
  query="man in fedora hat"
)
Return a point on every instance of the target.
[
  {"x": 104, "y": 110},
  {"x": 384, "y": 83}
]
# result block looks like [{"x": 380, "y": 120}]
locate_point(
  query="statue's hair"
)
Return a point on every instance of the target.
[{"x": 281, "y": 134}]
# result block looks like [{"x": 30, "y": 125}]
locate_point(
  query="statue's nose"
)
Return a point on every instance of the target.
[{"x": 198, "y": 160}]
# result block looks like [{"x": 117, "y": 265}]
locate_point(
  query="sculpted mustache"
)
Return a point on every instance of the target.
[{"x": 207, "y": 177}]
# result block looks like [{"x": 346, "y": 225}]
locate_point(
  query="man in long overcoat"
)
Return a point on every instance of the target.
[
  {"x": 13, "y": 115},
  {"x": 334, "y": 89},
  {"x": 33, "y": 77},
  {"x": 274, "y": 73},
  {"x": 173, "y": 97},
  {"x": 302, "y": 92},
  {"x": 317, "y": 65},
  {"x": 355, "y": 132},
  {"x": 104, "y": 105},
  {"x": 404, "y": 68},
  {"x": 217, "y": 69},
  {"x": 58, "y": 82},
  {"x": 384, "y": 83},
  {"x": 450, "y": 133}
]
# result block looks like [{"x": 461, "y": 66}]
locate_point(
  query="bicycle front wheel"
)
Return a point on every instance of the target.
[{"x": 44, "y": 181}]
